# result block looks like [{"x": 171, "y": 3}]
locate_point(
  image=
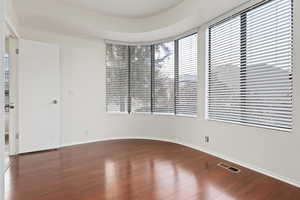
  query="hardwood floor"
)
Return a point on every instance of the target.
[{"x": 135, "y": 170}]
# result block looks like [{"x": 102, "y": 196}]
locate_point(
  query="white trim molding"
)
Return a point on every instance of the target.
[
  {"x": 11, "y": 28},
  {"x": 168, "y": 39},
  {"x": 205, "y": 150}
]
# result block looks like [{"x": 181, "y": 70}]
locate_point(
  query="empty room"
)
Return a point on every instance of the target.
[{"x": 149, "y": 100}]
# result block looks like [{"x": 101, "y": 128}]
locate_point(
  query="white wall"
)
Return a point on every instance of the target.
[{"x": 84, "y": 118}]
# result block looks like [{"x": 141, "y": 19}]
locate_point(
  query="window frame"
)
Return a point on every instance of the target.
[
  {"x": 177, "y": 77},
  {"x": 242, "y": 12},
  {"x": 109, "y": 69},
  {"x": 132, "y": 86},
  {"x": 175, "y": 85}
]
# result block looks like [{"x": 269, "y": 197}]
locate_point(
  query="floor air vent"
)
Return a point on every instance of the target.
[{"x": 230, "y": 168}]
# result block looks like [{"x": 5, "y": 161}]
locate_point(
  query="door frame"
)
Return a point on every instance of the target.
[
  {"x": 2, "y": 146},
  {"x": 13, "y": 38}
]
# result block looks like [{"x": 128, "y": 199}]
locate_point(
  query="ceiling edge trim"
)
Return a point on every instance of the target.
[{"x": 168, "y": 39}]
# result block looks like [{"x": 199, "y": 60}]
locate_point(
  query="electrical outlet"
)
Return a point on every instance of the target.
[{"x": 206, "y": 139}]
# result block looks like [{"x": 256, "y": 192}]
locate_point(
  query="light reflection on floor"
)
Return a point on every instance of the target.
[{"x": 168, "y": 178}]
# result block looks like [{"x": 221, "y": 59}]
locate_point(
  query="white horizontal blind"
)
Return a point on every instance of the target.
[
  {"x": 140, "y": 78},
  {"x": 224, "y": 69},
  {"x": 186, "y": 93},
  {"x": 116, "y": 78},
  {"x": 145, "y": 79},
  {"x": 163, "y": 84},
  {"x": 250, "y": 67}
]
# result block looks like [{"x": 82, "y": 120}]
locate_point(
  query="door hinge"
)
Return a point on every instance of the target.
[{"x": 17, "y": 51}]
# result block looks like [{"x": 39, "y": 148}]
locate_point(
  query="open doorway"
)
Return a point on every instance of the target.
[
  {"x": 6, "y": 102},
  {"x": 10, "y": 94}
]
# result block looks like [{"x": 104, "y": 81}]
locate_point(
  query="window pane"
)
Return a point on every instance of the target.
[
  {"x": 250, "y": 67},
  {"x": 116, "y": 78},
  {"x": 268, "y": 77},
  {"x": 186, "y": 98},
  {"x": 140, "y": 78},
  {"x": 224, "y": 68},
  {"x": 164, "y": 78}
]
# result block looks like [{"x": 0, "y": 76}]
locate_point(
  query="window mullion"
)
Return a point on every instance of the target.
[
  {"x": 129, "y": 81},
  {"x": 176, "y": 74},
  {"x": 152, "y": 77},
  {"x": 243, "y": 67}
]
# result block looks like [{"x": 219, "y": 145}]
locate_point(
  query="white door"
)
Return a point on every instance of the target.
[{"x": 39, "y": 96}]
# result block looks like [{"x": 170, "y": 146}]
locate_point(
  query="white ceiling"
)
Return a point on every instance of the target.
[
  {"x": 122, "y": 20},
  {"x": 125, "y": 8}
]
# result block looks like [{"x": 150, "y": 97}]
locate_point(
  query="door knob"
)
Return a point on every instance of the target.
[
  {"x": 55, "y": 101},
  {"x": 11, "y": 105}
]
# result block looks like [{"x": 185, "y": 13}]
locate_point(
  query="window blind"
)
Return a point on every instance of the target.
[
  {"x": 163, "y": 94},
  {"x": 159, "y": 78},
  {"x": 186, "y": 91},
  {"x": 140, "y": 78},
  {"x": 250, "y": 67},
  {"x": 117, "y": 78}
]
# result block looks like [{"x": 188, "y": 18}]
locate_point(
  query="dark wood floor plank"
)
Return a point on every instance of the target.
[{"x": 135, "y": 170}]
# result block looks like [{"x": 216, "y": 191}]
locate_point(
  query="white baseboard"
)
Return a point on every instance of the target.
[
  {"x": 247, "y": 165},
  {"x": 243, "y": 164}
]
